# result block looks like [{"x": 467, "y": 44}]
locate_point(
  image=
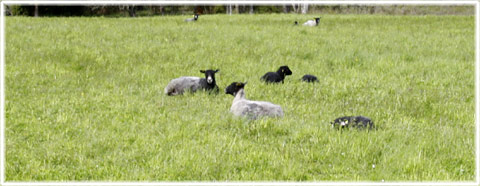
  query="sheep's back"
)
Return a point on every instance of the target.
[
  {"x": 271, "y": 77},
  {"x": 310, "y": 23},
  {"x": 256, "y": 109},
  {"x": 182, "y": 84}
]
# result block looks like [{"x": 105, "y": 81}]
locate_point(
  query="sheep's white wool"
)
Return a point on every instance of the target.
[
  {"x": 254, "y": 109},
  {"x": 192, "y": 19},
  {"x": 182, "y": 84},
  {"x": 310, "y": 23}
]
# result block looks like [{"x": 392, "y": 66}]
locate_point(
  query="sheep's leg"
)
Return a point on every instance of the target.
[{"x": 371, "y": 126}]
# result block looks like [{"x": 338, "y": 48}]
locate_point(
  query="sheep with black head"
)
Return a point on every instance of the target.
[
  {"x": 195, "y": 18},
  {"x": 312, "y": 22},
  {"x": 241, "y": 106},
  {"x": 187, "y": 83},
  {"x": 278, "y": 76}
]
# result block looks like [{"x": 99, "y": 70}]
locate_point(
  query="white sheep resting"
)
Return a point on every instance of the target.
[
  {"x": 187, "y": 83},
  {"x": 251, "y": 109},
  {"x": 312, "y": 22}
]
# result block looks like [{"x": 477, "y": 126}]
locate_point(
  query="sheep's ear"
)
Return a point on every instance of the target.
[
  {"x": 217, "y": 70},
  {"x": 245, "y": 83},
  {"x": 202, "y": 71}
]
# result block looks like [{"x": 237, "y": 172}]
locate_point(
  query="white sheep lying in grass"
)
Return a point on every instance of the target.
[
  {"x": 195, "y": 18},
  {"x": 180, "y": 85},
  {"x": 312, "y": 22},
  {"x": 251, "y": 109}
]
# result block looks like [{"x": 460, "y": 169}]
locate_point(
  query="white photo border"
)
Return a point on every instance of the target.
[{"x": 3, "y": 3}]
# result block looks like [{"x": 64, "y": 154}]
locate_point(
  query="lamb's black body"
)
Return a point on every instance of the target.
[
  {"x": 360, "y": 122},
  {"x": 273, "y": 77},
  {"x": 310, "y": 78},
  {"x": 276, "y": 77}
]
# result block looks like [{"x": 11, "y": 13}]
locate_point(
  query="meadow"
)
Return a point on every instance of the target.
[{"x": 85, "y": 102}]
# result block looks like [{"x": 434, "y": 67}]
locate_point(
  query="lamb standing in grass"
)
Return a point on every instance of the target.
[
  {"x": 251, "y": 109},
  {"x": 312, "y": 22},
  {"x": 180, "y": 85},
  {"x": 279, "y": 76},
  {"x": 195, "y": 18}
]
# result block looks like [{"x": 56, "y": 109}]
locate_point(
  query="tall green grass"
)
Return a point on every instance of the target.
[{"x": 84, "y": 99}]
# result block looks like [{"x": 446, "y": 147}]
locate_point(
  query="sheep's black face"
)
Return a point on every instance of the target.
[
  {"x": 285, "y": 70},
  {"x": 359, "y": 122},
  {"x": 234, "y": 88},
  {"x": 210, "y": 75},
  {"x": 195, "y": 17},
  {"x": 317, "y": 20},
  {"x": 342, "y": 121}
]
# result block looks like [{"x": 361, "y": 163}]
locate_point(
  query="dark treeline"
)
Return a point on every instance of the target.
[
  {"x": 133, "y": 11},
  {"x": 153, "y": 10}
]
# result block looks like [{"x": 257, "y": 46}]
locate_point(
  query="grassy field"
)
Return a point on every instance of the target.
[{"x": 84, "y": 99}]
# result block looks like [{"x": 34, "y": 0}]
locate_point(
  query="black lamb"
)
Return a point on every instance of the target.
[
  {"x": 276, "y": 77},
  {"x": 310, "y": 78}
]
